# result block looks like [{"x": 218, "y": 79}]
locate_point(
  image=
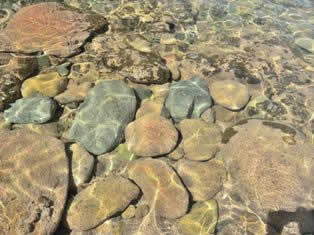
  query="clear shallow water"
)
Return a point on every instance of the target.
[{"x": 267, "y": 45}]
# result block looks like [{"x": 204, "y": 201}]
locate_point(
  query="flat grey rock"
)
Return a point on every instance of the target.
[
  {"x": 102, "y": 117},
  {"x": 188, "y": 99},
  {"x": 39, "y": 109}
]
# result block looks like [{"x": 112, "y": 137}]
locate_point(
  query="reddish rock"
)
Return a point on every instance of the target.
[{"x": 50, "y": 27}]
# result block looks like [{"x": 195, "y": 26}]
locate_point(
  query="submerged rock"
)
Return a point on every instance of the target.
[
  {"x": 272, "y": 167},
  {"x": 188, "y": 99},
  {"x": 34, "y": 182},
  {"x": 99, "y": 201},
  {"x": 102, "y": 117},
  {"x": 161, "y": 186},
  {"x": 49, "y": 84},
  {"x": 151, "y": 135},
  {"x": 49, "y": 27},
  {"x": 39, "y": 109},
  {"x": 201, "y": 220},
  {"x": 230, "y": 94}
]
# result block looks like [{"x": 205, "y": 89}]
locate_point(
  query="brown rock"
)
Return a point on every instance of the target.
[
  {"x": 50, "y": 129},
  {"x": 150, "y": 106},
  {"x": 9, "y": 89},
  {"x": 200, "y": 139},
  {"x": 34, "y": 182},
  {"x": 270, "y": 173},
  {"x": 73, "y": 93},
  {"x": 82, "y": 164},
  {"x": 84, "y": 72},
  {"x": 151, "y": 135},
  {"x": 161, "y": 187},
  {"x": 230, "y": 94},
  {"x": 50, "y": 27},
  {"x": 100, "y": 200},
  {"x": 203, "y": 179}
]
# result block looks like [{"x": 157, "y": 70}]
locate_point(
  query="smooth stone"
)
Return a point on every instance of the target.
[
  {"x": 161, "y": 186},
  {"x": 306, "y": 44},
  {"x": 73, "y": 93},
  {"x": 39, "y": 109},
  {"x": 82, "y": 164},
  {"x": 223, "y": 114},
  {"x": 99, "y": 201},
  {"x": 142, "y": 93},
  {"x": 177, "y": 153},
  {"x": 151, "y": 135},
  {"x": 49, "y": 129},
  {"x": 272, "y": 166},
  {"x": 150, "y": 106},
  {"x": 34, "y": 182},
  {"x": 62, "y": 32},
  {"x": 201, "y": 219},
  {"x": 161, "y": 90},
  {"x": 108, "y": 108},
  {"x": 129, "y": 212},
  {"x": 203, "y": 179},
  {"x": 49, "y": 84},
  {"x": 201, "y": 140},
  {"x": 230, "y": 94},
  {"x": 188, "y": 99},
  {"x": 109, "y": 227},
  {"x": 115, "y": 162}
]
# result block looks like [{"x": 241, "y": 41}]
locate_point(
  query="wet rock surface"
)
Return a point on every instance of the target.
[
  {"x": 34, "y": 182},
  {"x": 107, "y": 109},
  {"x": 233, "y": 78},
  {"x": 38, "y": 109},
  {"x": 151, "y": 136},
  {"x": 188, "y": 99},
  {"x": 42, "y": 26},
  {"x": 98, "y": 201}
]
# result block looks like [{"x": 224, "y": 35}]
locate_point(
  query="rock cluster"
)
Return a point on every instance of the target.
[{"x": 156, "y": 118}]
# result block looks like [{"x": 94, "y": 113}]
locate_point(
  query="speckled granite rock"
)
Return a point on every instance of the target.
[
  {"x": 38, "y": 109},
  {"x": 188, "y": 99},
  {"x": 102, "y": 117},
  {"x": 99, "y": 201}
]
